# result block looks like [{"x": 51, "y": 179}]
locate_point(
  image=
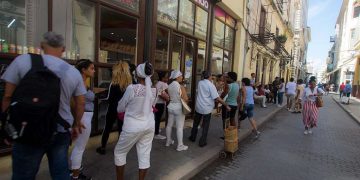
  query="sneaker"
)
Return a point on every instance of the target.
[
  {"x": 306, "y": 132},
  {"x": 101, "y": 150},
  {"x": 279, "y": 105},
  {"x": 309, "y": 131},
  {"x": 81, "y": 177},
  {"x": 264, "y": 106},
  {"x": 159, "y": 137},
  {"x": 182, "y": 148},
  {"x": 169, "y": 143}
]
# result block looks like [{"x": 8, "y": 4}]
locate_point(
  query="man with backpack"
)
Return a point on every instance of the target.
[
  {"x": 36, "y": 109},
  {"x": 347, "y": 92}
]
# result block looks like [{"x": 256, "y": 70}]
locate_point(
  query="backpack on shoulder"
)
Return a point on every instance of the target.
[{"x": 32, "y": 117}]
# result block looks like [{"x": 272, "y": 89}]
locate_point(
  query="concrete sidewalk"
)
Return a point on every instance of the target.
[
  {"x": 166, "y": 162},
  {"x": 353, "y": 109}
]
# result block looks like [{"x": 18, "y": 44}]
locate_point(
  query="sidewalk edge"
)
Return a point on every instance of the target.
[
  {"x": 191, "y": 168},
  {"x": 347, "y": 111}
]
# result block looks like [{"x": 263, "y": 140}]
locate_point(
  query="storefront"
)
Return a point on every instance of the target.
[{"x": 106, "y": 31}]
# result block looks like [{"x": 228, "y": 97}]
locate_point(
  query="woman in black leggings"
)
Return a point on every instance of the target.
[{"x": 121, "y": 78}]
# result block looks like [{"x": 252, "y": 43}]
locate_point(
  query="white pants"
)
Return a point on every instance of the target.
[
  {"x": 81, "y": 141},
  {"x": 262, "y": 99},
  {"x": 177, "y": 117},
  {"x": 127, "y": 140}
]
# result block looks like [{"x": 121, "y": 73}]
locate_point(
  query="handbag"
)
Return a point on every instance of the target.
[
  {"x": 185, "y": 107},
  {"x": 319, "y": 101}
]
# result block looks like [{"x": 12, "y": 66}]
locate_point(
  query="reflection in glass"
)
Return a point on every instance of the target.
[
  {"x": 176, "y": 53},
  {"x": 186, "y": 16},
  {"x": 132, "y": 5},
  {"x": 217, "y": 60},
  {"x": 189, "y": 59},
  {"x": 167, "y": 12},
  {"x": 219, "y": 33},
  {"x": 201, "y": 23},
  {"x": 200, "y": 63},
  {"x": 227, "y": 61},
  {"x": 118, "y": 34},
  {"x": 84, "y": 29},
  {"x": 104, "y": 79},
  {"x": 229, "y": 38},
  {"x": 162, "y": 46}
]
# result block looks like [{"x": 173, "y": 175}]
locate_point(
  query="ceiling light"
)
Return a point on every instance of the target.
[
  {"x": 112, "y": 33},
  {"x": 12, "y": 22}
]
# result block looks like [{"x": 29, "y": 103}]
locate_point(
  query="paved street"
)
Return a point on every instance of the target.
[{"x": 284, "y": 152}]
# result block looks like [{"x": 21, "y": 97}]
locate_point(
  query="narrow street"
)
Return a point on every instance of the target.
[{"x": 332, "y": 152}]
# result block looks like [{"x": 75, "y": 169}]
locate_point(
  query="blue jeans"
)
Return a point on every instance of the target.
[
  {"x": 280, "y": 97},
  {"x": 26, "y": 159}
]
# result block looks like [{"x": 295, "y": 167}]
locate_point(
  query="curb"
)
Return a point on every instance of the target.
[
  {"x": 347, "y": 111},
  {"x": 191, "y": 168}
]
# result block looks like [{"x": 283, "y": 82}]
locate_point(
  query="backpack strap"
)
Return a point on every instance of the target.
[{"x": 37, "y": 61}]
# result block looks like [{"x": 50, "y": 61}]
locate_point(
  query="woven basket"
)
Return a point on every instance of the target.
[
  {"x": 231, "y": 133},
  {"x": 231, "y": 146}
]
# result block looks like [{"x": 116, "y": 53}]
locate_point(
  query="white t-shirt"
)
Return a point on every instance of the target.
[
  {"x": 291, "y": 88},
  {"x": 282, "y": 88},
  {"x": 206, "y": 95},
  {"x": 160, "y": 87}
]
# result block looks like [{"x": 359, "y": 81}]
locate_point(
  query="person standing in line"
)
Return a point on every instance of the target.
[
  {"x": 163, "y": 98},
  {"x": 342, "y": 87},
  {"x": 139, "y": 122},
  {"x": 299, "y": 96},
  {"x": 87, "y": 70},
  {"x": 290, "y": 91},
  {"x": 232, "y": 92},
  {"x": 310, "y": 111},
  {"x": 205, "y": 102},
  {"x": 176, "y": 115},
  {"x": 281, "y": 92},
  {"x": 121, "y": 78},
  {"x": 26, "y": 159},
  {"x": 220, "y": 83},
  {"x": 253, "y": 80},
  {"x": 247, "y": 98},
  {"x": 275, "y": 89}
]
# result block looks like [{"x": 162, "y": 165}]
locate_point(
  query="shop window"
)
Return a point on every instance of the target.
[
  {"x": 83, "y": 29},
  {"x": 189, "y": 63},
  {"x": 22, "y": 24},
  {"x": 132, "y": 5},
  {"x": 230, "y": 21},
  {"x": 220, "y": 14},
  {"x": 162, "y": 49},
  {"x": 356, "y": 11},
  {"x": 201, "y": 23},
  {"x": 227, "y": 66},
  {"x": 229, "y": 38},
  {"x": 168, "y": 12},
  {"x": 118, "y": 37},
  {"x": 186, "y": 16},
  {"x": 200, "y": 63},
  {"x": 219, "y": 33},
  {"x": 176, "y": 55},
  {"x": 217, "y": 60}
]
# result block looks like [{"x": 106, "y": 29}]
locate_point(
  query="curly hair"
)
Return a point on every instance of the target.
[{"x": 121, "y": 75}]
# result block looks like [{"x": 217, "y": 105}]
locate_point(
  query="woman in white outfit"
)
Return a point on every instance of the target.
[
  {"x": 87, "y": 70},
  {"x": 139, "y": 122},
  {"x": 176, "y": 92}
]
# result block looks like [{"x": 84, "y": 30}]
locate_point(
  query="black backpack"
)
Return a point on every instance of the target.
[{"x": 33, "y": 113}]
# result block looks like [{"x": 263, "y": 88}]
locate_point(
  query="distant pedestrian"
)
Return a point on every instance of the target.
[
  {"x": 275, "y": 88},
  {"x": 310, "y": 110},
  {"x": 121, "y": 79},
  {"x": 259, "y": 95},
  {"x": 347, "y": 92},
  {"x": 162, "y": 100},
  {"x": 342, "y": 87},
  {"x": 290, "y": 91},
  {"x": 176, "y": 115},
  {"x": 299, "y": 96},
  {"x": 231, "y": 92},
  {"x": 139, "y": 122},
  {"x": 281, "y": 92},
  {"x": 205, "y": 102},
  {"x": 247, "y": 99},
  {"x": 253, "y": 80}
]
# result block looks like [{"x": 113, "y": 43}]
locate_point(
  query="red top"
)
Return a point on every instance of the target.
[
  {"x": 261, "y": 92},
  {"x": 342, "y": 86}
]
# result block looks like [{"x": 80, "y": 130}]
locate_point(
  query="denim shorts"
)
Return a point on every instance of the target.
[{"x": 249, "y": 109}]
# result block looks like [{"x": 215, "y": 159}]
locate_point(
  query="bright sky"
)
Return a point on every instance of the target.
[{"x": 322, "y": 19}]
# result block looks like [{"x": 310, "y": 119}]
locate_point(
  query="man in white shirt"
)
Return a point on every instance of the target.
[
  {"x": 290, "y": 94},
  {"x": 205, "y": 102}
]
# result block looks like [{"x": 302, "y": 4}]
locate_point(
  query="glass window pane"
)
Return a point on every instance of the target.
[
  {"x": 227, "y": 61},
  {"x": 84, "y": 29},
  {"x": 219, "y": 33},
  {"x": 22, "y": 24},
  {"x": 217, "y": 61},
  {"x": 220, "y": 14},
  {"x": 230, "y": 21},
  {"x": 132, "y": 5},
  {"x": 186, "y": 16},
  {"x": 200, "y": 63},
  {"x": 229, "y": 38},
  {"x": 176, "y": 53},
  {"x": 162, "y": 49},
  {"x": 201, "y": 23},
  {"x": 189, "y": 59},
  {"x": 167, "y": 12},
  {"x": 117, "y": 37}
]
